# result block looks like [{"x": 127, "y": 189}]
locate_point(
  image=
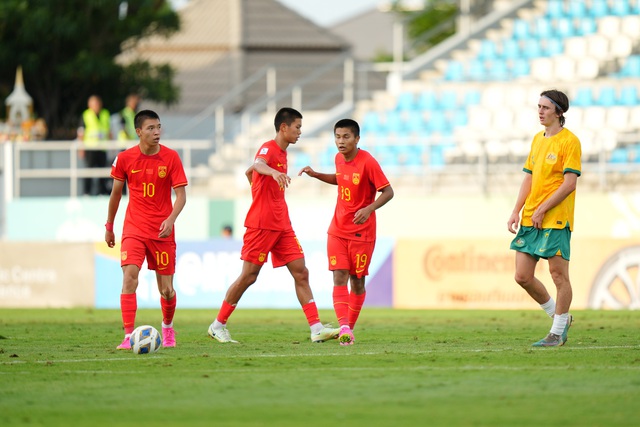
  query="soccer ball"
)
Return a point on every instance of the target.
[{"x": 145, "y": 340}]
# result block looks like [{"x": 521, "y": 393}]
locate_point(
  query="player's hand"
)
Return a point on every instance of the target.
[
  {"x": 361, "y": 216},
  {"x": 537, "y": 218},
  {"x": 307, "y": 170},
  {"x": 512, "y": 224},
  {"x": 282, "y": 179},
  {"x": 110, "y": 238},
  {"x": 165, "y": 228}
]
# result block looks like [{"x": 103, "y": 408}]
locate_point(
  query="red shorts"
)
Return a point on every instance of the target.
[
  {"x": 352, "y": 255},
  {"x": 160, "y": 254},
  {"x": 283, "y": 246}
]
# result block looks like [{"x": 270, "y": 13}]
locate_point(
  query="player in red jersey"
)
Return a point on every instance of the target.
[
  {"x": 352, "y": 233},
  {"x": 150, "y": 170},
  {"x": 269, "y": 231}
]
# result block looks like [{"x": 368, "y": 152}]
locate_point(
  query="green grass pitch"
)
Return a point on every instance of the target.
[{"x": 407, "y": 368}]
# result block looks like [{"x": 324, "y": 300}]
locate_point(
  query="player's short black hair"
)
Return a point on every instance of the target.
[
  {"x": 352, "y": 125},
  {"x": 287, "y": 116},
  {"x": 144, "y": 115}
]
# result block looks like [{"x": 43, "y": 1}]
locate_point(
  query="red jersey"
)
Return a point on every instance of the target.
[
  {"x": 268, "y": 209},
  {"x": 150, "y": 180},
  {"x": 358, "y": 182}
]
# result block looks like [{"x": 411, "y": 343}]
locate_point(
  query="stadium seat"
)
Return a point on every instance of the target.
[
  {"x": 618, "y": 118},
  {"x": 620, "y": 7},
  {"x": 405, "y": 101},
  {"x": 594, "y": 118},
  {"x": 630, "y": 25},
  {"x": 427, "y": 101},
  {"x": 488, "y": 50},
  {"x": 619, "y": 155},
  {"x": 437, "y": 122},
  {"x": 521, "y": 29},
  {"x": 565, "y": 27},
  {"x": 555, "y": 9},
  {"x": 454, "y": 71},
  {"x": 497, "y": 70},
  {"x": 520, "y": 68},
  {"x": 606, "y": 96},
  {"x": 476, "y": 70},
  {"x": 532, "y": 48},
  {"x": 609, "y": 26},
  {"x": 577, "y": 9},
  {"x": 543, "y": 27},
  {"x": 510, "y": 49},
  {"x": 472, "y": 97},
  {"x": 436, "y": 156},
  {"x": 587, "y": 26},
  {"x": 628, "y": 96},
  {"x": 598, "y": 47},
  {"x": 459, "y": 118},
  {"x": 448, "y": 100},
  {"x": 554, "y": 47},
  {"x": 576, "y": 47},
  {"x": 371, "y": 123},
  {"x": 415, "y": 122},
  {"x": 599, "y": 8},
  {"x": 631, "y": 67},
  {"x": 587, "y": 68},
  {"x": 393, "y": 123}
]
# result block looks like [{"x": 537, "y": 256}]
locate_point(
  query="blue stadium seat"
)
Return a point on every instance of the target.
[
  {"x": 606, "y": 96},
  {"x": 565, "y": 27},
  {"x": 520, "y": 68},
  {"x": 498, "y": 70},
  {"x": 448, "y": 100},
  {"x": 488, "y": 49},
  {"x": 510, "y": 49},
  {"x": 415, "y": 122},
  {"x": 586, "y": 26},
  {"x": 599, "y": 8},
  {"x": 577, "y": 9},
  {"x": 387, "y": 155},
  {"x": 405, "y": 101},
  {"x": 410, "y": 155},
  {"x": 454, "y": 71},
  {"x": 555, "y": 9},
  {"x": 371, "y": 123},
  {"x": 619, "y": 155},
  {"x": 436, "y": 157},
  {"x": 476, "y": 70},
  {"x": 393, "y": 122},
  {"x": 629, "y": 96},
  {"x": 437, "y": 122},
  {"x": 620, "y": 8},
  {"x": 543, "y": 27},
  {"x": 472, "y": 97},
  {"x": 631, "y": 67},
  {"x": 521, "y": 29},
  {"x": 459, "y": 118},
  {"x": 554, "y": 47},
  {"x": 427, "y": 101},
  {"x": 583, "y": 98},
  {"x": 532, "y": 48}
]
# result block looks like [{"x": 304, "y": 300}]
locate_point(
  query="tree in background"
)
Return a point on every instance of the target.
[{"x": 68, "y": 50}]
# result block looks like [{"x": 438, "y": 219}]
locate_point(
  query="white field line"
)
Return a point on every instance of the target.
[{"x": 344, "y": 353}]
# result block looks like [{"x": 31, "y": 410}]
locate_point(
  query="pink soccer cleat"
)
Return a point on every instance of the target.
[
  {"x": 168, "y": 337},
  {"x": 126, "y": 343},
  {"x": 346, "y": 336}
]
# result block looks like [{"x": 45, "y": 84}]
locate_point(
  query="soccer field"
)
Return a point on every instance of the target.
[{"x": 407, "y": 368}]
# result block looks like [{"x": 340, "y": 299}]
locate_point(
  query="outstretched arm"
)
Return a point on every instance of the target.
[
  {"x": 261, "y": 166},
  {"x": 329, "y": 178}
]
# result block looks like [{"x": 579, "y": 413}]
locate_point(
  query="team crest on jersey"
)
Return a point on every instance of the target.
[
  {"x": 332, "y": 260},
  {"x": 123, "y": 255},
  {"x": 262, "y": 257},
  {"x": 355, "y": 178},
  {"x": 162, "y": 171},
  {"x": 551, "y": 158}
]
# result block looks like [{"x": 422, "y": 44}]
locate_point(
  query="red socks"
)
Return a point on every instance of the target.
[
  {"x": 168, "y": 309},
  {"x": 355, "y": 305},
  {"x": 341, "y": 304},
  {"x": 311, "y": 311},
  {"x": 225, "y": 312},
  {"x": 128, "y": 308}
]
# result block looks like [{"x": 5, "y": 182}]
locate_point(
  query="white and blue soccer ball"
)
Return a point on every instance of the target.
[{"x": 145, "y": 340}]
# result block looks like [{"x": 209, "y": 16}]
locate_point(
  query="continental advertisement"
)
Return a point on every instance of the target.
[{"x": 478, "y": 274}]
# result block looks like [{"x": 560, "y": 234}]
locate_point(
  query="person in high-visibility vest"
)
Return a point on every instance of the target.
[
  {"x": 127, "y": 130},
  {"x": 94, "y": 130}
]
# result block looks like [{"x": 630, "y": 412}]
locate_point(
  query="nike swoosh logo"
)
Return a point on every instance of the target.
[
  {"x": 162, "y": 268},
  {"x": 280, "y": 165},
  {"x": 135, "y": 171},
  {"x": 359, "y": 271}
]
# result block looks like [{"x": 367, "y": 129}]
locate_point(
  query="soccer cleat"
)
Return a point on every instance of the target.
[
  {"x": 126, "y": 343},
  {"x": 326, "y": 333},
  {"x": 551, "y": 340},
  {"x": 222, "y": 335},
  {"x": 346, "y": 336},
  {"x": 565, "y": 332},
  {"x": 168, "y": 337}
]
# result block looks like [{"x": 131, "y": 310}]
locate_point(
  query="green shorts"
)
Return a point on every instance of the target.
[{"x": 544, "y": 243}]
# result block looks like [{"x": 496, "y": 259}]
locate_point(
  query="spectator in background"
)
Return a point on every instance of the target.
[
  {"x": 94, "y": 131},
  {"x": 127, "y": 130},
  {"x": 227, "y": 232}
]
